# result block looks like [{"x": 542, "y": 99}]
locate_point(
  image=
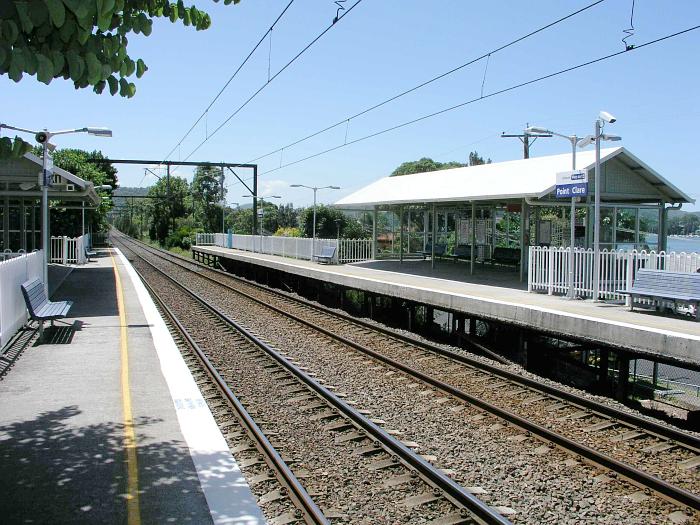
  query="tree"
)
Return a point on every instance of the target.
[
  {"x": 287, "y": 216},
  {"x": 207, "y": 196},
  {"x": 82, "y": 41},
  {"x": 424, "y": 165},
  {"x": 328, "y": 220},
  {"x": 76, "y": 161},
  {"x": 165, "y": 210},
  {"x": 475, "y": 159}
]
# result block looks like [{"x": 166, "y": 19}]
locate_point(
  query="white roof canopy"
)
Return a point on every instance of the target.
[{"x": 517, "y": 179}]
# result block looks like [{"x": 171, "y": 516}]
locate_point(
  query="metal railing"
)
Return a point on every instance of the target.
[
  {"x": 548, "y": 269},
  {"x": 14, "y": 272},
  {"x": 67, "y": 250},
  {"x": 348, "y": 250}
]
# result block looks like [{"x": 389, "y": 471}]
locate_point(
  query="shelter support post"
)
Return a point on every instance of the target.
[
  {"x": 524, "y": 238},
  {"x": 434, "y": 236},
  {"x": 473, "y": 240},
  {"x": 374, "y": 233},
  {"x": 401, "y": 234}
]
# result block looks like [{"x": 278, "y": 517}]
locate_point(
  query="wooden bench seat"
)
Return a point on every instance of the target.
[{"x": 663, "y": 286}]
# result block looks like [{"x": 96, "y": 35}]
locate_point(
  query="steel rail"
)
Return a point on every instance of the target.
[
  {"x": 633, "y": 474},
  {"x": 650, "y": 427},
  {"x": 312, "y": 515},
  {"x": 435, "y": 477}
]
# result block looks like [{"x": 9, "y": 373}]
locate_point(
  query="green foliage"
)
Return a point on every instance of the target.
[
  {"x": 287, "y": 216},
  {"x": 426, "y": 164},
  {"x": 165, "y": 207},
  {"x": 287, "y": 231},
  {"x": 328, "y": 220},
  {"x": 181, "y": 238},
  {"x": 13, "y": 149},
  {"x": 84, "y": 41},
  {"x": 76, "y": 161},
  {"x": 207, "y": 196}
]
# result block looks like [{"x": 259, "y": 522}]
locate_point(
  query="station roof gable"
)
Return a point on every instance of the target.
[{"x": 517, "y": 179}]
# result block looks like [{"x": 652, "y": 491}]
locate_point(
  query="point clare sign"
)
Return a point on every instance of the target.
[{"x": 571, "y": 184}]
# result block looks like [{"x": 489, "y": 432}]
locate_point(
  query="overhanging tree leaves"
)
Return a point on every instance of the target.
[{"x": 84, "y": 41}]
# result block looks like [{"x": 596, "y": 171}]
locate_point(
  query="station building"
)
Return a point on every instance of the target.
[
  {"x": 20, "y": 200},
  {"x": 474, "y": 210}
]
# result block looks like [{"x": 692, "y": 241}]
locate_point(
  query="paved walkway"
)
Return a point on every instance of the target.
[{"x": 106, "y": 425}]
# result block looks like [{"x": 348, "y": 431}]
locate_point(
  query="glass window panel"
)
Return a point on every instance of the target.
[
  {"x": 626, "y": 225},
  {"x": 648, "y": 229}
]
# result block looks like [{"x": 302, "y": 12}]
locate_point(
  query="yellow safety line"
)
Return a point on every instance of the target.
[{"x": 132, "y": 492}]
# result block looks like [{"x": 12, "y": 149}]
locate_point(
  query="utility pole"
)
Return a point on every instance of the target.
[{"x": 525, "y": 139}]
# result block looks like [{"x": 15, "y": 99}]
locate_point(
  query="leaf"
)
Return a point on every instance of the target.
[
  {"x": 59, "y": 63},
  {"x": 130, "y": 67},
  {"x": 38, "y": 13},
  {"x": 57, "y": 12},
  {"x": 80, "y": 8},
  {"x": 141, "y": 68},
  {"x": 67, "y": 30},
  {"x": 94, "y": 68},
  {"x": 5, "y": 147},
  {"x": 4, "y": 55},
  {"x": 186, "y": 18},
  {"x": 113, "y": 85},
  {"x": 131, "y": 89},
  {"x": 76, "y": 66},
  {"x": 44, "y": 69},
  {"x": 10, "y": 31},
  {"x": 123, "y": 87},
  {"x": 147, "y": 27},
  {"x": 99, "y": 87},
  {"x": 24, "y": 19},
  {"x": 174, "y": 14}
]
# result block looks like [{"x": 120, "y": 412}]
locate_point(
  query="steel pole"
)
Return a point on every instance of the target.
[
  {"x": 313, "y": 234},
  {"x": 572, "y": 293},
  {"x": 596, "y": 216},
  {"x": 45, "y": 214}
]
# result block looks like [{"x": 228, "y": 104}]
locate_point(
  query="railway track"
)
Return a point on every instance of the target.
[
  {"x": 334, "y": 435},
  {"x": 472, "y": 382}
]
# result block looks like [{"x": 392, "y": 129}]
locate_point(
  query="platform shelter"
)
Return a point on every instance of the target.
[
  {"x": 472, "y": 211},
  {"x": 20, "y": 200}
]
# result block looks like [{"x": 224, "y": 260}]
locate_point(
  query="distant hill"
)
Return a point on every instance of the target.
[{"x": 119, "y": 195}]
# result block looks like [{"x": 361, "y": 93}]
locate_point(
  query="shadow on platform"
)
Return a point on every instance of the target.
[
  {"x": 503, "y": 276},
  {"x": 55, "y": 471},
  {"x": 92, "y": 290}
]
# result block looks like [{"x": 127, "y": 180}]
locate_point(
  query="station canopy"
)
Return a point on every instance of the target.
[
  {"x": 21, "y": 178},
  {"x": 624, "y": 178}
]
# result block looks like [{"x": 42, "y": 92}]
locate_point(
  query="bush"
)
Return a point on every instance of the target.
[
  {"x": 288, "y": 232},
  {"x": 181, "y": 238}
]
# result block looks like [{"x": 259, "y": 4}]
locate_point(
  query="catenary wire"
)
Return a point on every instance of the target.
[
  {"x": 489, "y": 95},
  {"x": 226, "y": 84},
  {"x": 429, "y": 81},
  {"x": 273, "y": 77}
]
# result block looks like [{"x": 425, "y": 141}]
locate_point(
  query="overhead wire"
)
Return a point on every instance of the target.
[
  {"x": 431, "y": 80},
  {"x": 273, "y": 77},
  {"x": 483, "y": 97},
  {"x": 230, "y": 79}
]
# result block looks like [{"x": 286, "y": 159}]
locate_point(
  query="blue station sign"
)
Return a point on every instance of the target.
[{"x": 572, "y": 184}]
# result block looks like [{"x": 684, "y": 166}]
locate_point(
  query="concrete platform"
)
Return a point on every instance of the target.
[
  {"x": 105, "y": 424},
  {"x": 503, "y": 299}
]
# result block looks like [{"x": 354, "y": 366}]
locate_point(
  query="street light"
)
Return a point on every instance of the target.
[
  {"x": 262, "y": 214},
  {"x": 574, "y": 140},
  {"x": 44, "y": 137},
  {"x": 315, "y": 188}
]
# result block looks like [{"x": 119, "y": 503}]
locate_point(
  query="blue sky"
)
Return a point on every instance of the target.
[{"x": 381, "y": 48}]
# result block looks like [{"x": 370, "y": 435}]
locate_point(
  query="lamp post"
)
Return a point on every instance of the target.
[
  {"x": 262, "y": 214},
  {"x": 44, "y": 137},
  {"x": 574, "y": 140},
  {"x": 598, "y": 136},
  {"x": 315, "y": 189}
]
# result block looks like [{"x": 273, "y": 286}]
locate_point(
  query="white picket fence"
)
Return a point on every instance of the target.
[
  {"x": 67, "y": 250},
  {"x": 349, "y": 250},
  {"x": 549, "y": 269},
  {"x": 14, "y": 272}
]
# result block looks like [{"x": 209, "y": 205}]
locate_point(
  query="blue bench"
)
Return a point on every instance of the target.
[
  {"x": 505, "y": 256},
  {"x": 462, "y": 251},
  {"x": 662, "y": 286},
  {"x": 327, "y": 255},
  {"x": 440, "y": 250},
  {"x": 39, "y": 307}
]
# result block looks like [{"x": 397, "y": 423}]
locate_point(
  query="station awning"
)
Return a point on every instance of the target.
[
  {"x": 627, "y": 177},
  {"x": 19, "y": 178}
]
